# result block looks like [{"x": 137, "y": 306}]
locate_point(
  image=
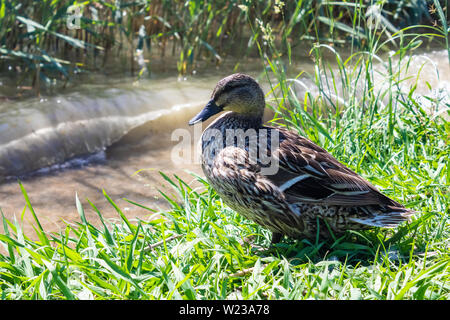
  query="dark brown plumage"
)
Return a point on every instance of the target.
[{"x": 309, "y": 187}]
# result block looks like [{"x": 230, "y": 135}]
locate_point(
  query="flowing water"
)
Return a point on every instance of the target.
[
  {"x": 114, "y": 136},
  {"x": 117, "y": 136}
]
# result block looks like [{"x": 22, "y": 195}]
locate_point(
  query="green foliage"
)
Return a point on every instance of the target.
[{"x": 35, "y": 37}]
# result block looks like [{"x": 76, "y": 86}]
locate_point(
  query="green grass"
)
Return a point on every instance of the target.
[{"x": 200, "y": 249}]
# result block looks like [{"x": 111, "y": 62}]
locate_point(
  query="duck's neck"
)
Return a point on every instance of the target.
[{"x": 233, "y": 120}]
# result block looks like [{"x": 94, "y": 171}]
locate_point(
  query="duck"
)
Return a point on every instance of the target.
[{"x": 280, "y": 179}]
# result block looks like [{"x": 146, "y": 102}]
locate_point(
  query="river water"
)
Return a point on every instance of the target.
[{"x": 116, "y": 134}]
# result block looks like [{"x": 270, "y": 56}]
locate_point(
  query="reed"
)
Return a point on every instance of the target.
[{"x": 35, "y": 38}]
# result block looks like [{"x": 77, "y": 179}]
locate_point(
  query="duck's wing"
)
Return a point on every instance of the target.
[{"x": 308, "y": 173}]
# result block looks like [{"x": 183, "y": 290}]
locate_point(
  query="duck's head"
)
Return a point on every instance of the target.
[{"x": 238, "y": 93}]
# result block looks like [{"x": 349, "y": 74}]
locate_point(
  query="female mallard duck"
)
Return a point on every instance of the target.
[{"x": 309, "y": 192}]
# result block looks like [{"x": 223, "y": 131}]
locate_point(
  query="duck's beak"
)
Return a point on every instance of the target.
[{"x": 208, "y": 111}]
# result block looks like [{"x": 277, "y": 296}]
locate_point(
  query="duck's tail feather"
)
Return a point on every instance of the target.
[{"x": 386, "y": 217}]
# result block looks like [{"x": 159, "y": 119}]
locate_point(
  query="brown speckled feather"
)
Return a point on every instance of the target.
[{"x": 324, "y": 179}]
